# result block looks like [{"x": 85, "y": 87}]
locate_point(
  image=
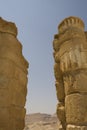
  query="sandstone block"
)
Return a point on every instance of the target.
[
  {"x": 18, "y": 100},
  {"x": 74, "y": 127},
  {"x": 14, "y": 71},
  {"x": 60, "y": 127},
  {"x": 13, "y": 79},
  {"x": 5, "y": 126},
  {"x": 4, "y": 69},
  {"x": 68, "y": 58},
  {"x": 4, "y": 115},
  {"x": 4, "y": 98},
  {"x": 4, "y": 82},
  {"x": 76, "y": 82},
  {"x": 20, "y": 124},
  {"x": 57, "y": 71},
  {"x": 20, "y": 112},
  {"x": 17, "y": 93},
  {"x": 61, "y": 114},
  {"x": 76, "y": 109},
  {"x": 60, "y": 91},
  {"x": 16, "y": 124},
  {"x": 21, "y": 75}
]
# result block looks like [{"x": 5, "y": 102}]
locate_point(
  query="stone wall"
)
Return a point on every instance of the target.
[
  {"x": 70, "y": 69},
  {"x": 13, "y": 79}
]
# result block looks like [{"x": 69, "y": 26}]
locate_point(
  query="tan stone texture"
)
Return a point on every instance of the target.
[
  {"x": 13, "y": 79},
  {"x": 70, "y": 71},
  {"x": 76, "y": 83},
  {"x": 60, "y": 91},
  {"x": 76, "y": 109},
  {"x": 74, "y": 127},
  {"x": 61, "y": 114},
  {"x": 60, "y": 127}
]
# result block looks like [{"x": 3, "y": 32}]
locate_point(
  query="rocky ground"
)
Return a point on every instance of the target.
[{"x": 40, "y": 121}]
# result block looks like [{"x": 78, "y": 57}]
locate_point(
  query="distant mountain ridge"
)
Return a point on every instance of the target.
[{"x": 41, "y": 121}]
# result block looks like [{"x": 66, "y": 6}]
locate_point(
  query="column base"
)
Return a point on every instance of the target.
[{"x": 74, "y": 127}]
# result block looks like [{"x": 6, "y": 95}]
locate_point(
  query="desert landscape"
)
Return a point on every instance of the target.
[{"x": 40, "y": 121}]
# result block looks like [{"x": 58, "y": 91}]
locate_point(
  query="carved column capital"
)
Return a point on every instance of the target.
[{"x": 70, "y": 22}]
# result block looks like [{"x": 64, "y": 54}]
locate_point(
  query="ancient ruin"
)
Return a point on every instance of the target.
[
  {"x": 13, "y": 79},
  {"x": 70, "y": 69}
]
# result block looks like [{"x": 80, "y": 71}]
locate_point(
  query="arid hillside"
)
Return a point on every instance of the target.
[{"x": 40, "y": 121}]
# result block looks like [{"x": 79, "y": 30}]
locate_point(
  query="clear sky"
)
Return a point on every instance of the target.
[{"x": 37, "y": 22}]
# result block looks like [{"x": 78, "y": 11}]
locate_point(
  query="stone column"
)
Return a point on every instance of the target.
[
  {"x": 70, "y": 69},
  {"x": 13, "y": 79}
]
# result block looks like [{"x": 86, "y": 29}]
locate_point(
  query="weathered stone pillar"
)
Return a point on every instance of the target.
[
  {"x": 13, "y": 79},
  {"x": 70, "y": 69}
]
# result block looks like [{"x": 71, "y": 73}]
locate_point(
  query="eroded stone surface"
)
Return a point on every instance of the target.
[
  {"x": 61, "y": 114},
  {"x": 60, "y": 91},
  {"x": 7, "y": 27},
  {"x": 70, "y": 70},
  {"x": 13, "y": 79},
  {"x": 76, "y": 82},
  {"x": 76, "y": 109},
  {"x": 74, "y": 127}
]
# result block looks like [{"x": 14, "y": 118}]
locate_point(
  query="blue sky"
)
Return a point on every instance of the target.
[{"x": 37, "y": 22}]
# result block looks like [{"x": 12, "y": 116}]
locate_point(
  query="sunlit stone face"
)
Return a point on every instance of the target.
[
  {"x": 13, "y": 79},
  {"x": 70, "y": 70}
]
